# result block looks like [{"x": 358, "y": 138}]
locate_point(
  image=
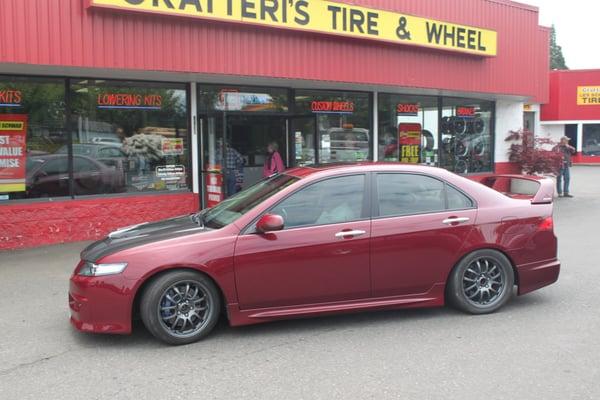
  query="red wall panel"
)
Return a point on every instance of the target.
[
  {"x": 563, "y": 96},
  {"x": 36, "y": 224},
  {"x": 66, "y": 33}
]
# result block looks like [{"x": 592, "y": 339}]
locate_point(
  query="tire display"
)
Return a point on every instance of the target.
[{"x": 465, "y": 150}]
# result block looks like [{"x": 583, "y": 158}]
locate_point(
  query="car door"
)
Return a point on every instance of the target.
[
  {"x": 321, "y": 256},
  {"x": 87, "y": 177},
  {"x": 52, "y": 179},
  {"x": 419, "y": 226}
]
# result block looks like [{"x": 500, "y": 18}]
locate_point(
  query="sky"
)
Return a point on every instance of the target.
[{"x": 576, "y": 23}]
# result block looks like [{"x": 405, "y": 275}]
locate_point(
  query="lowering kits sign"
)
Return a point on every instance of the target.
[{"x": 326, "y": 17}]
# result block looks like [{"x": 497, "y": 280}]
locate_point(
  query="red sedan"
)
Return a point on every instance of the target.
[{"x": 316, "y": 241}]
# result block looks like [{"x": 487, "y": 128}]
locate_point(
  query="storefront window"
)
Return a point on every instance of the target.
[
  {"x": 343, "y": 127},
  {"x": 467, "y": 135},
  {"x": 408, "y": 129},
  {"x": 591, "y": 140},
  {"x": 32, "y": 131},
  {"x": 129, "y": 137}
]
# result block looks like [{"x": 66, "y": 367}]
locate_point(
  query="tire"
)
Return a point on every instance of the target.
[
  {"x": 180, "y": 307},
  {"x": 474, "y": 280}
]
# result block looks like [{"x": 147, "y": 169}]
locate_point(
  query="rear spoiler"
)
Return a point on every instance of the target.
[{"x": 538, "y": 189}]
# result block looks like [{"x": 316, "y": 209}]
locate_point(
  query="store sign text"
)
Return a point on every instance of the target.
[
  {"x": 409, "y": 110},
  {"x": 325, "y": 17},
  {"x": 332, "y": 107},
  {"x": 129, "y": 101},
  {"x": 10, "y": 98},
  {"x": 588, "y": 95},
  {"x": 465, "y": 111}
]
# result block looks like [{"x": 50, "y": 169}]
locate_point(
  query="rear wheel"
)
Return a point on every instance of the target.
[
  {"x": 481, "y": 283},
  {"x": 180, "y": 307}
]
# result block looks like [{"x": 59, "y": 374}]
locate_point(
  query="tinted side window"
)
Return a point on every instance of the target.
[
  {"x": 57, "y": 166},
  {"x": 83, "y": 165},
  {"x": 405, "y": 194},
  {"x": 331, "y": 201},
  {"x": 457, "y": 200}
]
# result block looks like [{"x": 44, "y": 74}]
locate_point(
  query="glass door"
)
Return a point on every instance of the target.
[{"x": 303, "y": 143}]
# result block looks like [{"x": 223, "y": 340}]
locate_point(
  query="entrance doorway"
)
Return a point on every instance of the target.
[
  {"x": 250, "y": 135},
  {"x": 247, "y": 137}
]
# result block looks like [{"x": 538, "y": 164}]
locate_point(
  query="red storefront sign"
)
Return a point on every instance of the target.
[
  {"x": 408, "y": 110},
  {"x": 465, "y": 111},
  {"x": 13, "y": 147},
  {"x": 129, "y": 101},
  {"x": 332, "y": 107},
  {"x": 409, "y": 138},
  {"x": 10, "y": 98}
]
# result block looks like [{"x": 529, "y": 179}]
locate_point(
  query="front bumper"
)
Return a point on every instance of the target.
[
  {"x": 101, "y": 304},
  {"x": 537, "y": 275}
]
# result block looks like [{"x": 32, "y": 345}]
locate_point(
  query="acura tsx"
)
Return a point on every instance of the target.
[{"x": 320, "y": 240}]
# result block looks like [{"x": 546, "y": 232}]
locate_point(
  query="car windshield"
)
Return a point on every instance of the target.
[{"x": 234, "y": 207}]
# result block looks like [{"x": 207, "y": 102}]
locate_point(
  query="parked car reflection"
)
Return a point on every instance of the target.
[
  {"x": 48, "y": 176},
  {"x": 109, "y": 154}
]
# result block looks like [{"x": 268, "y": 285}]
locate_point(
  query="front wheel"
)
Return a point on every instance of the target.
[
  {"x": 180, "y": 307},
  {"x": 481, "y": 283}
]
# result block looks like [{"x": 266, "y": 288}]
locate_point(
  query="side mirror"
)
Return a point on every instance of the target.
[{"x": 270, "y": 223}]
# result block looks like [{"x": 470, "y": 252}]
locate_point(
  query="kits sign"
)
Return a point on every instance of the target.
[
  {"x": 327, "y": 17},
  {"x": 13, "y": 136}
]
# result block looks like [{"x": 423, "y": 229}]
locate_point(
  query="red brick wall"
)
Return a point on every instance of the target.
[{"x": 43, "y": 223}]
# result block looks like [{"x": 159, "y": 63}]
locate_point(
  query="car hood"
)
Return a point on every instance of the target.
[{"x": 141, "y": 234}]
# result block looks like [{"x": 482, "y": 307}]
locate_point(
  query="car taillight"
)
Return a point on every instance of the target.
[{"x": 547, "y": 224}]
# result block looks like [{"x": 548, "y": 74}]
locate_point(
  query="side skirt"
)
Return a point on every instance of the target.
[{"x": 433, "y": 298}]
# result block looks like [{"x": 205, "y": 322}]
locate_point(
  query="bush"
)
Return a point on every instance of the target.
[{"x": 532, "y": 153}]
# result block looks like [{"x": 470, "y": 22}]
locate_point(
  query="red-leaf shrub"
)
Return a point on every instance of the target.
[{"x": 532, "y": 153}]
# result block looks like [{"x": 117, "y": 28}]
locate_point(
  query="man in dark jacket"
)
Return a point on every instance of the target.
[{"x": 564, "y": 175}]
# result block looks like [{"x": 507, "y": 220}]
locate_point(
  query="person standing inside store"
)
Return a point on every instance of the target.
[
  {"x": 563, "y": 180},
  {"x": 273, "y": 162},
  {"x": 234, "y": 162}
]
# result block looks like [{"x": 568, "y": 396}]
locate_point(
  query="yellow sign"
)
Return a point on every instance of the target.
[
  {"x": 588, "y": 95},
  {"x": 527, "y": 107},
  {"x": 11, "y": 125},
  {"x": 325, "y": 17}
]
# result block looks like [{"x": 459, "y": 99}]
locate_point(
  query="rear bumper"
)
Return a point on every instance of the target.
[
  {"x": 100, "y": 305},
  {"x": 537, "y": 275}
]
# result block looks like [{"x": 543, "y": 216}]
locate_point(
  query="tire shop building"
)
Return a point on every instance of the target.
[
  {"x": 573, "y": 110},
  {"x": 116, "y": 112}
]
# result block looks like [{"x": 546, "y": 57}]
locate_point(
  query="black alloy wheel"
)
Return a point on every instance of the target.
[
  {"x": 180, "y": 307},
  {"x": 481, "y": 283}
]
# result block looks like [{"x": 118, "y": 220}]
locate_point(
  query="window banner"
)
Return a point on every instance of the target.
[
  {"x": 13, "y": 152},
  {"x": 214, "y": 187},
  {"x": 409, "y": 138}
]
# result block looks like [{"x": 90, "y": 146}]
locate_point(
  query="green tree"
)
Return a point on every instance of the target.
[{"x": 557, "y": 59}]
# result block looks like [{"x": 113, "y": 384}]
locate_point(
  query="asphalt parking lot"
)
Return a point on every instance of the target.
[{"x": 545, "y": 345}]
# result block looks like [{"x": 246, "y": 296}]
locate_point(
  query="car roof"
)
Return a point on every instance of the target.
[{"x": 336, "y": 168}]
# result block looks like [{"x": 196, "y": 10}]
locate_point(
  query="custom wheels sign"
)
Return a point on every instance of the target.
[{"x": 13, "y": 145}]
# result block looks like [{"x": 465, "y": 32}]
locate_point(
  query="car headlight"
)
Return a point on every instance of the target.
[{"x": 91, "y": 269}]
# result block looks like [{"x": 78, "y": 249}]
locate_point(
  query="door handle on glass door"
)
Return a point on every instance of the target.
[
  {"x": 346, "y": 234},
  {"x": 456, "y": 220}
]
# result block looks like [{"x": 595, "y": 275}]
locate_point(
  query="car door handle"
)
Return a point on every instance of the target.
[
  {"x": 456, "y": 220},
  {"x": 347, "y": 234}
]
